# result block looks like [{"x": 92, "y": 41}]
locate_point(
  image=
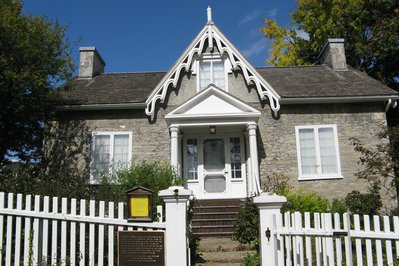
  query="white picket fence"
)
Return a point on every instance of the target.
[
  {"x": 334, "y": 239},
  {"x": 53, "y": 231},
  {"x": 324, "y": 239}
]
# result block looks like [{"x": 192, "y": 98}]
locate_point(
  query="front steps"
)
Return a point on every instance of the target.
[
  {"x": 214, "y": 217},
  {"x": 222, "y": 251}
]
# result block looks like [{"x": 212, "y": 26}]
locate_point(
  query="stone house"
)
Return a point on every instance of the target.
[{"x": 222, "y": 123}]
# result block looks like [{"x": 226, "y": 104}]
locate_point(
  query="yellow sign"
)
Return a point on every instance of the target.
[{"x": 139, "y": 206}]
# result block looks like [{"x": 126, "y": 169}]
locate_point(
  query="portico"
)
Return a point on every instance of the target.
[{"x": 213, "y": 145}]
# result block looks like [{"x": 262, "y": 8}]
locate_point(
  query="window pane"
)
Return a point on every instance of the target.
[
  {"x": 205, "y": 74},
  {"x": 101, "y": 156},
  {"x": 214, "y": 154},
  {"x": 235, "y": 153},
  {"x": 328, "y": 154},
  {"x": 308, "y": 151},
  {"x": 121, "y": 152},
  {"x": 218, "y": 74},
  {"x": 192, "y": 159}
]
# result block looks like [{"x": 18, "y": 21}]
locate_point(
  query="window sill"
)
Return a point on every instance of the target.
[
  {"x": 237, "y": 179},
  {"x": 192, "y": 181},
  {"x": 315, "y": 178}
]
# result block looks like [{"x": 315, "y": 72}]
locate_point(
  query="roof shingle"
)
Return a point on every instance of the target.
[{"x": 288, "y": 82}]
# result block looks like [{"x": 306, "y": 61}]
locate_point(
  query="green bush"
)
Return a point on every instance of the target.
[
  {"x": 251, "y": 260},
  {"x": 154, "y": 176},
  {"x": 364, "y": 203},
  {"x": 338, "y": 206},
  {"x": 304, "y": 201},
  {"x": 246, "y": 226}
]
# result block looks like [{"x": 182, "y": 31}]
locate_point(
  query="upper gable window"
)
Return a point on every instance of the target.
[
  {"x": 318, "y": 153},
  {"x": 211, "y": 72}
]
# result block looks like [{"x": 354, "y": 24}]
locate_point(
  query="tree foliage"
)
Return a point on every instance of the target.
[
  {"x": 369, "y": 27},
  {"x": 381, "y": 163},
  {"x": 34, "y": 58}
]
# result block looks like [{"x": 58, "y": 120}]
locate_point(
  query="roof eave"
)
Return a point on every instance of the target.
[
  {"x": 342, "y": 99},
  {"x": 96, "y": 107}
]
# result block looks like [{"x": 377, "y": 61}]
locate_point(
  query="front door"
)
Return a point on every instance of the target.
[{"x": 215, "y": 167}]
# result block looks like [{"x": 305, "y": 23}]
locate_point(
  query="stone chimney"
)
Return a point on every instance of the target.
[
  {"x": 333, "y": 54},
  {"x": 91, "y": 63}
]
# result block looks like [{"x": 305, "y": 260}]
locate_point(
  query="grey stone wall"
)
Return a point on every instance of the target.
[
  {"x": 150, "y": 142},
  {"x": 278, "y": 153}
]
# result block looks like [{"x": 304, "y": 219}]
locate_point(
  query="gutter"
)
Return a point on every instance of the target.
[
  {"x": 108, "y": 106},
  {"x": 349, "y": 99}
]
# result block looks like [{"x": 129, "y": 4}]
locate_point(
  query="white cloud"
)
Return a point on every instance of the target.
[
  {"x": 271, "y": 13},
  {"x": 302, "y": 34},
  {"x": 256, "y": 48},
  {"x": 249, "y": 17}
]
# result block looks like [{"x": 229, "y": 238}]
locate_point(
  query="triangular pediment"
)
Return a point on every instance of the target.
[
  {"x": 211, "y": 38},
  {"x": 213, "y": 102}
]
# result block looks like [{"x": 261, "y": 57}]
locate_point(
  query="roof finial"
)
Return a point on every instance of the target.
[{"x": 209, "y": 11}]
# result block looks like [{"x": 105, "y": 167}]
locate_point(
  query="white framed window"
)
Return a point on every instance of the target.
[
  {"x": 318, "y": 152},
  {"x": 111, "y": 151},
  {"x": 192, "y": 159},
  {"x": 212, "y": 72}
]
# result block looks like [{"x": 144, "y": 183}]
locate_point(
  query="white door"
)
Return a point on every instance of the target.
[{"x": 215, "y": 167}]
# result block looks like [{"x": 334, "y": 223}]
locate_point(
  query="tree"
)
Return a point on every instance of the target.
[
  {"x": 370, "y": 29},
  {"x": 34, "y": 58},
  {"x": 381, "y": 163}
]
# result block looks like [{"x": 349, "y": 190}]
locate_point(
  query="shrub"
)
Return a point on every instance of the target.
[
  {"x": 246, "y": 226},
  {"x": 155, "y": 176},
  {"x": 251, "y": 260},
  {"x": 364, "y": 203},
  {"x": 304, "y": 201},
  {"x": 338, "y": 206}
]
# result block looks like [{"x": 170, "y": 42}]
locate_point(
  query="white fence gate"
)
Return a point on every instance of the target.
[
  {"x": 325, "y": 239},
  {"x": 53, "y": 231}
]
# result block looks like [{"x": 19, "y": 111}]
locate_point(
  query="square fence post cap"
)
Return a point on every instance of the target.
[
  {"x": 175, "y": 192},
  {"x": 269, "y": 200}
]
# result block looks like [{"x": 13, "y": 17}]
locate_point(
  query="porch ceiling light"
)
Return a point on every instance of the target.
[{"x": 212, "y": 130}]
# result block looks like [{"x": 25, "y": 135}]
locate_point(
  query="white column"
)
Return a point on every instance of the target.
[
  {"x": 269, "y": 206},
  {"x": 176, "y": 225},
  {"x": 254, "y": 183},
  {"x": 174, "y": 147}
]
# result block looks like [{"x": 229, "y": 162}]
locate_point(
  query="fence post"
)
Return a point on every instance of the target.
[
  {"x": 176, "y": 198},
  {"x": 269, "y": 205}
]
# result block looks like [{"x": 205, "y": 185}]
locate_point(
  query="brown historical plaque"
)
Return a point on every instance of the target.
[{"x": 141, "y": 248}]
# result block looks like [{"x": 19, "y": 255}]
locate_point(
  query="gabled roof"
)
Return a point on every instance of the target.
[
  {"x": 322, "y": 81},
  {"x": 209, "y": 37},
  {"x": 112, "y": 88},
  {"x": 291, "y": 83}
]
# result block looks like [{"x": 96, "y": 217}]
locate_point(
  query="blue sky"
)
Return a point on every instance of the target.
[{"x": 137, "y": 36}]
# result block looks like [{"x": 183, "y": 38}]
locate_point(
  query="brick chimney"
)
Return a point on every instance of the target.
[
  {"x": 333, "y": 54},
  {"x": 91, "y": 63}
]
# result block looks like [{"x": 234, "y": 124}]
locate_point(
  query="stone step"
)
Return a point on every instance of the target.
[
  {"x": 213, "y": 229},
  {"x": 208, "y": 209},
  {"x": 222, "y": 251},
  {"x": 213, "y": 222},
  {"x": 214, "y": 217},
  {"x": 208, "y": 244},
  {"x": 219, "y": 264},
  {"x": 225, "y": 256},
  {"x": 218, "y": 202}
]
